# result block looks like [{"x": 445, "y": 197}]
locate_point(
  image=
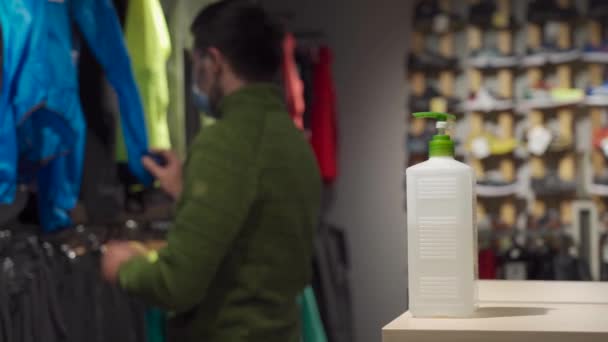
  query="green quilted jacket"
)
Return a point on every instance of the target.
[{"x": 241, "y": 248}]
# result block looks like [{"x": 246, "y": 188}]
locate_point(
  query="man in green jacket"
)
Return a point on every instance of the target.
[{"x": 241, "y": 248}]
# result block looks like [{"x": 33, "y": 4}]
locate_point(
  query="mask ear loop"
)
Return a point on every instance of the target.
[
  {"x": 196, "y": 66},
  {"x": 206, "y": 102}
]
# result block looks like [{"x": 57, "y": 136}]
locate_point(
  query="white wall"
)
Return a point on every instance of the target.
[{"x": 369, "y": 40}]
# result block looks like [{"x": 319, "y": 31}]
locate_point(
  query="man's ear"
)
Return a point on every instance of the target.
[{"x": 216, "y": 59}]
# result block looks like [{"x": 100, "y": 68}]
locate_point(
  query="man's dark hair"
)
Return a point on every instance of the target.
[{"x": 249, "y": 38}]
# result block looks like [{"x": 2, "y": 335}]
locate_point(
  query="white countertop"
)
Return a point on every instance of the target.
[
  {"x": 518, "y": 311},
  {"x": 543, "y": 291}
]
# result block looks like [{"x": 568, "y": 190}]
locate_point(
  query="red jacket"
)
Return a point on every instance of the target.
[{"x": 323, "y": 117}]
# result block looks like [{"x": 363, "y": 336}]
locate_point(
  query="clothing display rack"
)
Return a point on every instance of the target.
[
  {"x": 51, "y": 287},
  {"x": 68, "y": 189}
]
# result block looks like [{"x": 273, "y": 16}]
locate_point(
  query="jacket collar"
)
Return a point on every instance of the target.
[{"x": 251, "y": 96}]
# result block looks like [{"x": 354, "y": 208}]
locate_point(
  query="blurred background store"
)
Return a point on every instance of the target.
[{"x": 527, "y": 80}]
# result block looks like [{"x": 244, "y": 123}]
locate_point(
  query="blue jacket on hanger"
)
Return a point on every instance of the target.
[
  {"x": 19, "y": 31},
  {"x": 52, "y": 132}
]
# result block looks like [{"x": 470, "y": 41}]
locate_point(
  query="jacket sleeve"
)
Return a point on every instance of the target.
[
  {"x": 100, "y": 27},
  {"x": 15, "y": 42},
  {"x": 8, "y": 155},
  {"x": 219, "y": 188}
]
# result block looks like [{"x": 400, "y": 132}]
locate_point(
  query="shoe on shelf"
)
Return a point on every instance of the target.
[
  {"x": 491, "y": 145},
  {"x": 493, "y": 224},
  {"x": 422, "y": 103},
  {"x": 543, "y": 55},
  {"x": 597, "y": 96},
  {"x": 550, "y": 221},
  {"x": 565, "y": 96},
  {"x": 493, "y": 178},
  {"x": 502, "y": 146},
  {"x": 430, "y": 18},
  {"x": 552, "y": 185},
  {"x": 542, "y": 96},
  {"x": 431, "y": 61},
  {"x": 542, "y": 11},
  {"x": 601, "y": 179},
  {"x": 486, "y": 101},
  {"x": 539, "y": 142},
  {"x": 493, "y": 184},
  {"x": 559, "y": 142},
  {"x": 492, "y": 58},
  {"x": 599, "y": 184},
  {"x": 600, "y": 138},
  {"x": 535, "y": 57},
  {"x": 485, "y": 224},
  {"x": 560, "y": 56},
  {"x": 484, "y": 15},
  {"x": 596, "y": 53}
]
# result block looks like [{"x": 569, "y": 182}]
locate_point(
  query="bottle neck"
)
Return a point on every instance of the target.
[
  {"x": 441, "y": 146},
  {"x": 441, "y": 157}
]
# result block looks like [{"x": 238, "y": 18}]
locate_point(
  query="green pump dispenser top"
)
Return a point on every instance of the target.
[{"x": 442, "y": 144}]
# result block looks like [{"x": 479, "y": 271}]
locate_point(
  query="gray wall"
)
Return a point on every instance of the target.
[{"x": 369, "y": 40}]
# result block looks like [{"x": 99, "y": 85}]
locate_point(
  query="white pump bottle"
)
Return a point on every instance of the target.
[{"x": 442, "y": 233}]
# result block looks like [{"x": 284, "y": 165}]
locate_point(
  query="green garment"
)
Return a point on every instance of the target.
[
  {"x": 149, "y": 46},
  {"x": 241, "y": 248},
  {"x": 312, "y": 326},
  {"x": 155, "y": 325}
]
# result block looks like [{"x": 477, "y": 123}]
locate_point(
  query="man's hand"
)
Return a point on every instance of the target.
[
  {"x": 116, "y": 254},
  {"x": 169, "y": 175}
]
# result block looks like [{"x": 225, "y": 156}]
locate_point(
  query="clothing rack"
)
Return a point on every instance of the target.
[{"x": 51, "y": 290}]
